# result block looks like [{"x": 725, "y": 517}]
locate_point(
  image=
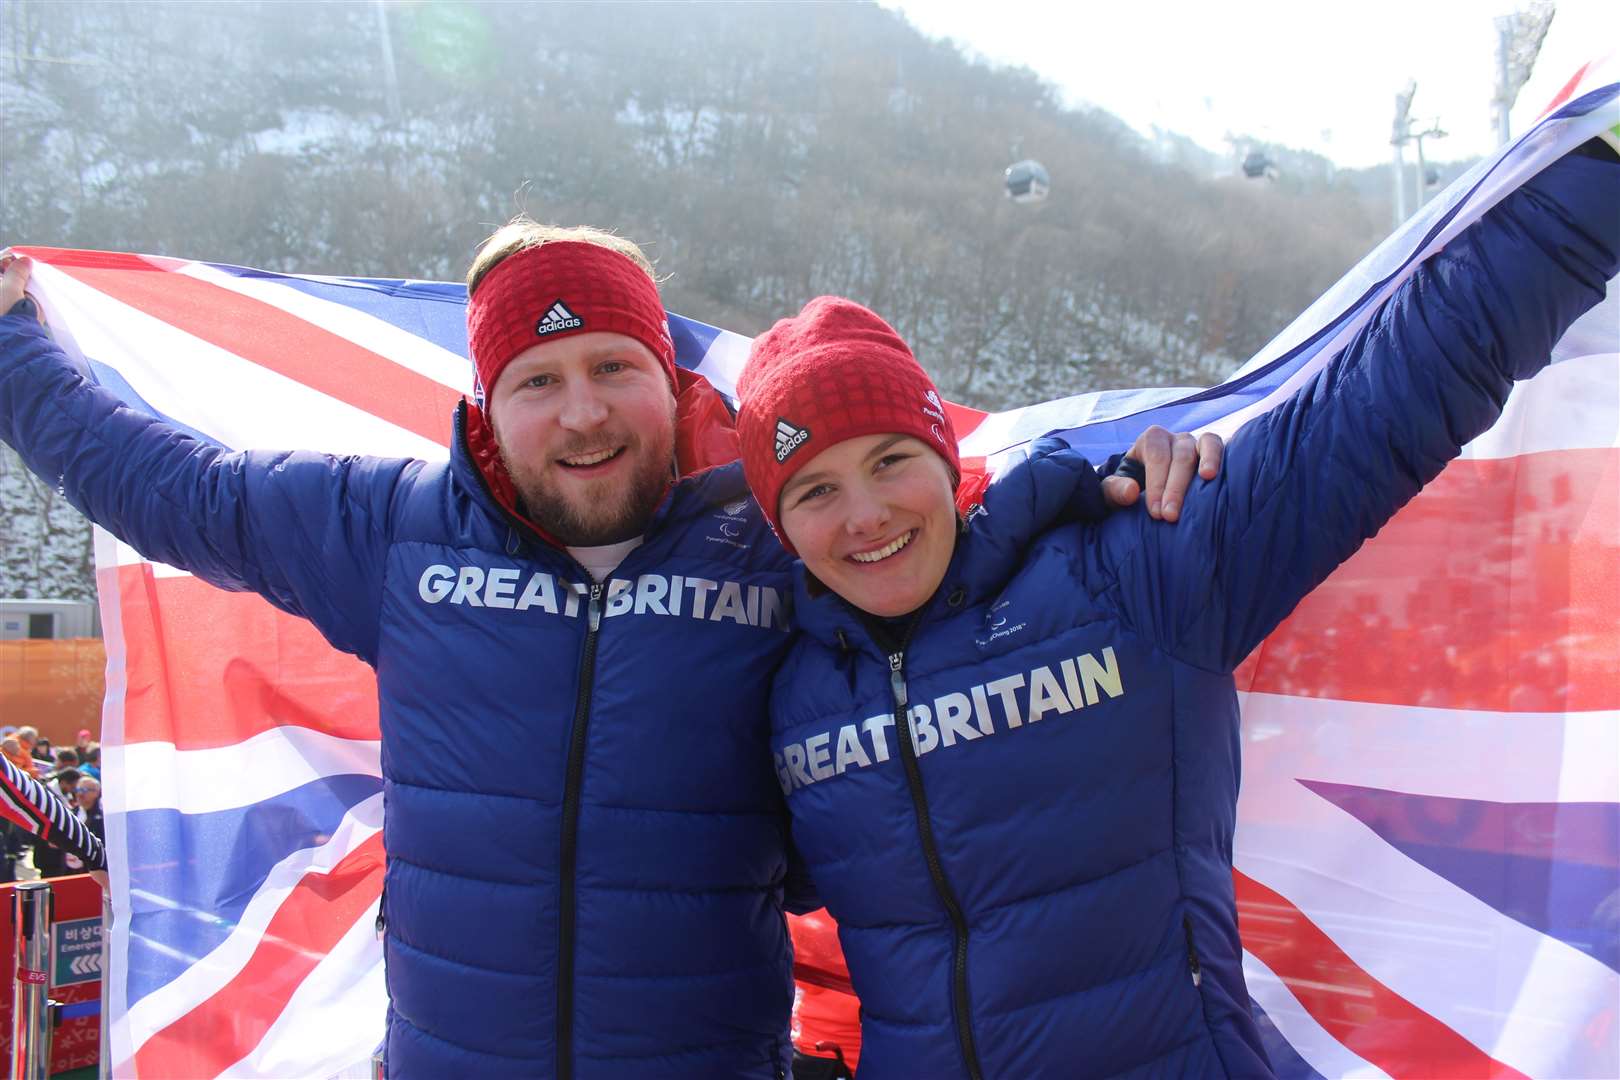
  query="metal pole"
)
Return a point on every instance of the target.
[
  {"x": 1504, "y": 93},
  {"x": 1399, "y": 173},
  {"x": 390, "y": 78},
  {"x": 1422, "y": 176},
  {"x": 1400, "y": 132},
  {"x": 105, "y": 1056},
  {"x": 32, "y": 909}
]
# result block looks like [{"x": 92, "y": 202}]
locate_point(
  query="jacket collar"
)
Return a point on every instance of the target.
[{"x": 1053, "y": 486}]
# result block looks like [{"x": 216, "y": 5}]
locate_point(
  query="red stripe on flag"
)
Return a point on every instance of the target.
[
  {"x": 270, "y": 337},
  {"x": 964, "y": 421},
  {"x": 316, "y": 914},
  {"x": 207, "y": 668},
  {"x": 1568, "y": 90},
  {"x": 1494, "y": 589},
  {"x": 1366, "y": 1016},
  {"x": 101, "y": 260}
]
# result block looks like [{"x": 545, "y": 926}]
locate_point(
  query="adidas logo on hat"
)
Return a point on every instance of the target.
[
  {"x": 556, "y": 318},
  {"x": 788, "y": 439}
]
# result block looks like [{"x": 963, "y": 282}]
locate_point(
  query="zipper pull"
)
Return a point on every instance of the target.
[
  {"x": 897, "y": 677},
  {"x": 1192, "y": 953},
  {"x": 596, "y": 606},
  {"x": 382, "y": 920}
]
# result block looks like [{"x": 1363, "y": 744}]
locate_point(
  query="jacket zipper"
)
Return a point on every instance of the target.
[
  {"x": 571, "y": 784},
  {"x": 925, "y": 830},
  {"x": 1192, "y": 953},
  {"x": 570, "y": 841}
]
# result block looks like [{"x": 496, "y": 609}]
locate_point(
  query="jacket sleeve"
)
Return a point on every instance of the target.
[
  {"x": 306, "y": 531},
  {"x": 1307, "y": 483},
  {"x": 33, "y": 806}
]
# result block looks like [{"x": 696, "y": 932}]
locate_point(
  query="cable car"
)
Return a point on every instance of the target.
[
  {"x": 1027, "y": 181},
  {"x": 1256, "y": 164}
]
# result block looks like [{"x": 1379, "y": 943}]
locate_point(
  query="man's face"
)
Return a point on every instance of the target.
[
  {"x": 586, "y": 428},
  {"x": 88, "y": 795}
]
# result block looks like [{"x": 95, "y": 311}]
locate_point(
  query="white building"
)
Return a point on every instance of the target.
[{"x": 49, "y": 619}]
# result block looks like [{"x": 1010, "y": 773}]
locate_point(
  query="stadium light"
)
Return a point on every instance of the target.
[{"x": 1518, "y": 42}]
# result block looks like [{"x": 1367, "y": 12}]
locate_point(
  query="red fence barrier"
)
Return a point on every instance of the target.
[{"x": 75, "y": 971}]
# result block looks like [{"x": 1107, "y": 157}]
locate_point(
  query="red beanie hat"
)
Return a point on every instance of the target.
[
  {"x": 556, "y": 289},
  {"x": 833, "y": 372}
]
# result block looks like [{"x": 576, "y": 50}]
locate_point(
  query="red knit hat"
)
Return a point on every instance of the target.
[
  {"x": 833, "y": 372},
  {"x": 556, "y": 289}
]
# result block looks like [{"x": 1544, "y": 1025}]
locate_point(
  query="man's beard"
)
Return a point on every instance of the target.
[{"x": 611, "y": 514}]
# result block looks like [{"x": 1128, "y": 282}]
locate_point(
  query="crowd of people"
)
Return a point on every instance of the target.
[{"x": 69, "y": 775}]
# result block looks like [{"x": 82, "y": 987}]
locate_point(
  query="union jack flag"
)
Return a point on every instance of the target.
[{"x": 1428, "y": 861}]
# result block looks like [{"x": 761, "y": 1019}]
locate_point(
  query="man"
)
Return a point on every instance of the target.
[
  {"x": 50, "y": 860},
  {"x": 586, "y": 579},
  {"x": 88, "y": 795}
]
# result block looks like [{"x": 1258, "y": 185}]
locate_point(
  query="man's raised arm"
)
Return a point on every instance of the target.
[{"x": 304, "y": 530}]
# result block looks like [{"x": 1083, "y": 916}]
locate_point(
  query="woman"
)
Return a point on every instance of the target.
[{"x": 1009, "y": 739}]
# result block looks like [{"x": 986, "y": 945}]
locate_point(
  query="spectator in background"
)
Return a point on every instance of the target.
[
  {"x": 67, "y": 783},
  {"x": 91, "y": 763},
  {"x": 16, "y": 753},
  {"x": 28, "y": 738},
  {"x": 30, "y": 807},
  {"x": 82, "y": 743},
  {"x": 88, "y": 791},
  {"x": 49, "y": 860},
  {"x": 66, "y": 759}
]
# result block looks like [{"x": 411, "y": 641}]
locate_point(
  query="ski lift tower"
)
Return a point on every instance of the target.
[{"x": 1399, "y": 137}]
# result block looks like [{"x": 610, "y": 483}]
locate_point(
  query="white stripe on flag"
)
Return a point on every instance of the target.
[
  {"x": 723, "y": 364},
  {"x": 1441, "y": 948},
  {"x": 1013, "y": 427},
  {"x": 1321, "y": 1051},
  {"x": 212, "y": 390},
  {"x": 128, "y": 556},
  {"x": 339, "y": 1012},
  {"x": 1553, "y": 410},
  {"x": 160, "y": 1008},
  {"x": 367, "y": 331},
  {"x": 158, "y": 777},
  {"x": 1452, "y": 753}
]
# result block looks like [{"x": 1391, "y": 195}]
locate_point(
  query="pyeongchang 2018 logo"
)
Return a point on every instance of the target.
[{"x": 732, "y": 521}]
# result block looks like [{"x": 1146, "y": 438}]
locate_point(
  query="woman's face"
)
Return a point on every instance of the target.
[{"x": 874, "y": 520}]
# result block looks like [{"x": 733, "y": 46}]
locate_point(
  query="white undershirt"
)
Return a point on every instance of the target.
[{"x": 602, "y": 561}]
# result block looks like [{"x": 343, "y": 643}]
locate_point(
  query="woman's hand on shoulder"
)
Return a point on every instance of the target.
[
  {"x": 14, "y": 273},
  {"x": 1167, "y": 463}
]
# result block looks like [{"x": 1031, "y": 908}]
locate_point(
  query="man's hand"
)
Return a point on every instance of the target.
[
  {"x": 14, "y": 279},
  {"x": 1169, "y": 461}
]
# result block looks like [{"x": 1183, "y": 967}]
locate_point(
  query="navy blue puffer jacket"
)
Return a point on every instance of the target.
[
  {"x": 607, "y": 903},
  {"x": 1019, "y": 804}
]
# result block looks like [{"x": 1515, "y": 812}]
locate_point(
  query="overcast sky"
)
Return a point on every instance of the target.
[{"x": 1306, "y": 74}]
